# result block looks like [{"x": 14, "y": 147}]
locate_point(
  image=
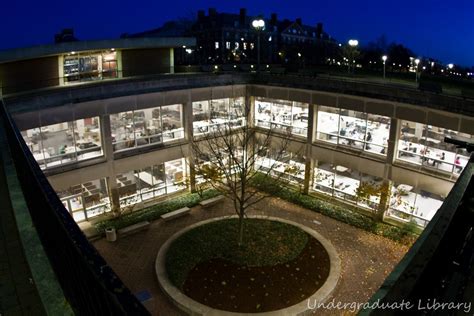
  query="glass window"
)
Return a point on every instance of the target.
[
  {"x": 287, "y": 166},
  {"x": 424, "y": 145},
  {"x": 175, "y": 175},
  {"x": 65, "y": 142},
  {"x": 282, "y": 115},
  {"x": 148, "y": 126},
  {"x": 357, "y": 130},
  {"x": 347, "y": 184},
  {"x": 128, "y": 188},
  {"x": 87, "y": 66},
  {"x": 378, "y": 133},
  {"x": 352, "y": 128},
  {"x": 412, "y": 205},
  {"x": 86, "y": 200},
  {"x": 328, "y": 124},
  {"x": 300, "y": 114},
  {"x": 122, "y": 129},
  {"x": 172, "y": 118},
  {"x": 219, "y": 113},
  {"x": 151, "y": 181}
]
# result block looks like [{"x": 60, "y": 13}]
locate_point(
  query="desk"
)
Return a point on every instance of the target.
[
  {"x": 40, "y": 157},
  {"x": 149, "y": 179},
  {"x": 341, "y": 169},
  {"x": 404, "y": 187}
]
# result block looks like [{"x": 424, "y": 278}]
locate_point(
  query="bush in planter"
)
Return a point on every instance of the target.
[
  {"x": 406, "y": 236},
  {"x": 154, "y": 212}
]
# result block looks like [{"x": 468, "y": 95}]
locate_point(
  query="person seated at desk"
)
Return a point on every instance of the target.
[
  {"x": 62, "y": 149},
  {"x": 441, "y": 157},
  {"x": 424, "y": 152},
  {"x": 408, "y": 148},
  {"x": 368, "y": 139}
]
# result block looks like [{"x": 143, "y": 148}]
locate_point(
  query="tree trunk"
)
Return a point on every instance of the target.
[
  {"x": 384, "y": 201},
  {"x": 241, "y": 226}
]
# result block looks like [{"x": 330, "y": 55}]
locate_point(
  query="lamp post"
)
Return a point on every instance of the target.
[
  {"x": 259, "y": 25},
  {"x": 417, "y": 61},
  {"x": 353, "y": 46},
  {"x": 384, "y": 59}
]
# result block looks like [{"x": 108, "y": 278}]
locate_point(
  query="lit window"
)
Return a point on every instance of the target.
[
  {"x": 245, "y": 45},
  {"x": 216, "y": 44},
  {"x": 252, "y": 45},
  {"x": 236, "y": 45},
  {"x": 227, "y": 45}
]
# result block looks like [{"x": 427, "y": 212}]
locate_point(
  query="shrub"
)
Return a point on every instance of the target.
[
  {"x": 405, "y": 235},
  {"x": 154, "y": 212}
]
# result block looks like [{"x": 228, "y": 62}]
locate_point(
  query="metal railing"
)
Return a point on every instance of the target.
[
  {"x": 439, "y": 267},
  {"x": 88, "y": 283}
]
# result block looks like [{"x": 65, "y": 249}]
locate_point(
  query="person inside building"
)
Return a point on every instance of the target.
[
  {"x": 62, "y": 150},
  {"x": 457, "y": 164}
]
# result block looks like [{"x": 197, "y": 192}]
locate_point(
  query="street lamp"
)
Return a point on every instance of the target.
[
  {"x": 353, "y": 44},
  {"x": 259, "y": 26},
  {"x": 417, "y": 61},
  {"x": 384, "y": 58}
]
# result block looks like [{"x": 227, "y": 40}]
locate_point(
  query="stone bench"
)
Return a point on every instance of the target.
[
  {"x": 174, "y": 214},
  {"x": 212, "y": 201},
  {"x": 134, "y": 228}
]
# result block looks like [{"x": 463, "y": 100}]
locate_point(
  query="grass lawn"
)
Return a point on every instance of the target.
[{"x": 266, "y": 243}]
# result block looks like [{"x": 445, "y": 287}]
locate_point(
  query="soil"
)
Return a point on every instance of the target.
[{"x": 224, "y": 285}]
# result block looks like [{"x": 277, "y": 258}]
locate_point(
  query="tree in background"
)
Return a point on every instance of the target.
[{"x": 229, "y": 157}]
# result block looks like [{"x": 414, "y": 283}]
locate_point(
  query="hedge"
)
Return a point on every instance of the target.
[
  {"x": 154, "y": 212},
  {"x": 405, "y": 234}
]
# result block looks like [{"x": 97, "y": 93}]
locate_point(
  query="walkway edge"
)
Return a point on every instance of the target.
[{"x": 192, "y": 307}]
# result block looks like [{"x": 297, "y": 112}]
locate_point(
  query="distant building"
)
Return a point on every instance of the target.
[{"x": 230, "y": 38}]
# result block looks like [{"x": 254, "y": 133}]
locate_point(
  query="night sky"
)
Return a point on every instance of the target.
[{"x": 440, "y": 29}]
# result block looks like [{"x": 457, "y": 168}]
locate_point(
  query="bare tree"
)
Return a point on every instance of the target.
[{"x": 228, "y": 157}]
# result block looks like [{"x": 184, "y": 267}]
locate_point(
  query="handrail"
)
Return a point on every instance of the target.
[
  {"x": 437, "y": 266},
  {"x": 90, "y": 286}
]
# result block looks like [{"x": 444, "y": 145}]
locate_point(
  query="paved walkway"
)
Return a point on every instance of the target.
[{"x": 366, "y": 259}]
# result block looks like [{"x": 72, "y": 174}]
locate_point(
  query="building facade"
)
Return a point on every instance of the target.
[{"x": 129, "y": 145}]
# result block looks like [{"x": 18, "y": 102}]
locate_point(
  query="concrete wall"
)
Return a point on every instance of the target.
[
  {"x": 29, "y": 74},
  {"x": 317, "y": 151},
  {"x": 138, "y": 62}
]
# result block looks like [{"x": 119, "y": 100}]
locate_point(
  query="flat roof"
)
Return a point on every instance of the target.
[{"x": 79, "y": 46}]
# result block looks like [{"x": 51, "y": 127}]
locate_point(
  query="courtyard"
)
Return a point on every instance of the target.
[{"x": 366, "y": 259}]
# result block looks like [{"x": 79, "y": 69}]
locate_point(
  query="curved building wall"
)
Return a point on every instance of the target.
[{"x": 339, "y": 162}]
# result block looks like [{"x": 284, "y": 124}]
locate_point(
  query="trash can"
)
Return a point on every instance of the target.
[{"x": 110, "y": 234}]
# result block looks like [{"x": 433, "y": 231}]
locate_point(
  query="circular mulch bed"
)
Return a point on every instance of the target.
[
  {"x": 279, "y": 265},
  {"x": 224, "y": 285}
]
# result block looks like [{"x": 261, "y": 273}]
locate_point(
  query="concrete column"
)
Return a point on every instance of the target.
[
  {"x": 113, "y": 193},
  {"x": 188, "y": 120},
  {"x": 391, "y": 156},
  {"x": 108, "y": 150},
  {"x": 393, "y": 140},
  {"x": 192, "y": 174},
  {"x": 308, "y": 173},
  {"x": 119, "y": 64},
  {"x": 172, "y": 60},
  {"x": 250, "y": 105},
  {"x": 189, "y": 136},
  {"x": 309, "y": 164},
  {"x": 61, "y": 70},
  {"x": 106, "y": 137}
]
